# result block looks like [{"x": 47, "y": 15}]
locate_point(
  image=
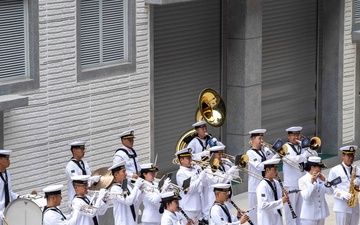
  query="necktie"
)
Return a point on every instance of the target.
[{"x": 6, "y": 188}]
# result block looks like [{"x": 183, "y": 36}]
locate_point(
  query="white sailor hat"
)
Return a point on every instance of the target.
[
  {"x": 221, "y": 187},
  {"x": 271, "y": 163},
  {"x": 127, "y": 134},
  {"x": 349, "y": 149},
  {"x": 217, "y": 149},
  {"x": 148, "y": 167},
  {"x": 315, "y": 161},
  {"x": 77, "y": 144},
  {"x": 53, "y": 189},
  {"x": 5, "y": 152},
  {"x": 199, "y": 124},
  {"x": 80, "y": 179},
  {"x": 294, "y": 130},
  {"x": 169, "y": 196},
  {"x": 184, "y": 152},
  {"x": 117, "y": 166},
  {"x": 257, "y": 132}
]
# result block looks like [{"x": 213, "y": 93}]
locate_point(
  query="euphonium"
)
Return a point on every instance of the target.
[{"x": 353, "y": 190}]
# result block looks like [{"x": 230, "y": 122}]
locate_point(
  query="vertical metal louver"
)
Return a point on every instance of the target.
[
  {"x": 289, "y": 60},
  {"x": 13, "y": 52},
  {"x": 102, "y": 32},
  {"x": 357, "y": 11},
  {"x": 187, "y": 59}
]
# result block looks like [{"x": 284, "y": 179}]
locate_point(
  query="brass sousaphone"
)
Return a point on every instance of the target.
[{"x": 211, "y": 108}]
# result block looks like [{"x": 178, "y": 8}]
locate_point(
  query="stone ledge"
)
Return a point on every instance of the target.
[
  {"x": 12, "y": 101},
  {"x": 355, "y": 36}
]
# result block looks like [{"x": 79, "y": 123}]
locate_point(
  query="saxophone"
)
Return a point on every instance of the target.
[{"x": 353, "y": 190}]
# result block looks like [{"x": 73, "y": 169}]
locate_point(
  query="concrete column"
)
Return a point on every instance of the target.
[{"x": 244, "y": 52}]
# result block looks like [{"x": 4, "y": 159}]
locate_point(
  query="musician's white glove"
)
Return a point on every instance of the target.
[
  {"x": 232, "y": 170},
  {"x": 276, "y": 156},
  {"x": 345, "y": 195},
  {"x": 102, "y": 193},
  {"x": 357, "y": 182},
  {"x": 202, "y": 175},
  {"x": 2, "y": 215},
  {"x": 167, "y": 182},
  {"x": 93, "y": 179},
  {"x": 139, "y": 182},
  {"x": 205, "y": 153}
]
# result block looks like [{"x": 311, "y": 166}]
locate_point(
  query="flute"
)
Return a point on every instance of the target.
[
  {"x": 185, "y": 215},
  {"x": 289, "y": 203},
  {"x": 238, "y": 209}
]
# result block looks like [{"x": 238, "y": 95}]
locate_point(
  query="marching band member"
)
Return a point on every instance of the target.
[
  {"x": 150, "y": 215},
  {"x": 291, "y": 175},
  {"x": 6, "y": 193},
  {"x": 191, "y": 202},
  {"x": 169, "y": 208},
  {"x": 127, "y": 153},
  {"x": 52, "y": 215},
  {"x": 219, "y": 212},
  {"x": 257, "y": 156},
  {"x": 224, "y": 171},
  {"x": 88, "y": 212},
  {"x": 126, "y": 206},
  {"x": 270, "y": 196},
  {"x": 345, "y": 215},
  {"x": 312, "y": 186},
  {"x": 76, "y": 166},
  {"x": 200, "y": 143}
]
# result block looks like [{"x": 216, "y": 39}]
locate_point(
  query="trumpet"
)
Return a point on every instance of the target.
[
  {"x": 241, "y": 162},
  {"x": 109, "y": 195}
]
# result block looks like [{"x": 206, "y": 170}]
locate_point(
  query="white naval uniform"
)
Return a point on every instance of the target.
[
  {"x": 151, "y": 202},
  {"x": 87, "y": 212},
  {"x": 12, "y": 195},
  {"x": 53, "y": 216},
  {"x": 198, "y": 148},
  {"x": 191, "y": 202},
  {"x": 131, "y": 165},
  {"x": 169, "y": 218},
  {"x": 291, "y": 178},
  {"x": 219, "y": 217},
  {"x": 267, "y": 210},
  {"x": 314, "y": 209},
  {"x": 255, "y": 166},
  {"x": 72, "y": 169},
  {"x": 345, "y": 215},
  {"x": 122, "y": 205}
]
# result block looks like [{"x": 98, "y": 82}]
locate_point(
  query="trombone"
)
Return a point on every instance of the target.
[
  {"x": 241, "y": 162},
  {"x": 214, "y": 166}
]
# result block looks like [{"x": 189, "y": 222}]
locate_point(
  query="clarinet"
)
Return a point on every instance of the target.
[
  {"x": 289, "y": 203},
  {"x": 185, "y": 215},
  {"x": 238, "y": 209}
]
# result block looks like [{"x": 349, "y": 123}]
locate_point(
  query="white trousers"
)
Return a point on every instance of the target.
[
  {"x": 296, "y": 203},
  {"x": 144, "y": 223},
  {"x": 312, "y": 222},
  {"x": 252, "y": 202},
  {"x": 347, "y": 218}
]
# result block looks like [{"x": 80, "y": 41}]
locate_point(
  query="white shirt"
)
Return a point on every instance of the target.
[
  {"x": 87, "y": 212},
  {"x": 340, "y": 204},
  {"x": 53, "y": 216},
  {"x": 12, "y": 195},
  {"x": 314, "y": 206},
  {"x": 190, "y": 201},
  {"x": 122, "y": 205},
  {"x": 151, "y": 203},
  {"x": 169, "y": 218},
  {"x": 292, "y": 175},
  {"x": 267, "y": 210},
  {"x": 219, "y": 217},
  {"x": 130, "y": 165},
  {"x": 255, "y": 166},
  {"x": 72, "y": 169},
  {"x": 196, "y": 147}
]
